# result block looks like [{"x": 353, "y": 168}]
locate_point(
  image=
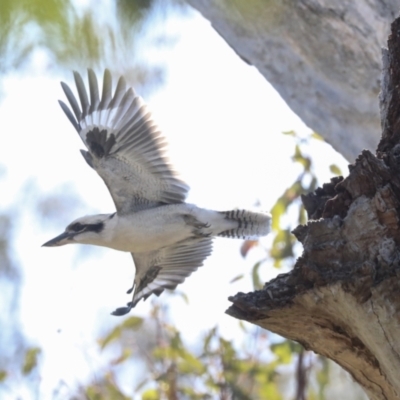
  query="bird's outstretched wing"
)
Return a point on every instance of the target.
[
  {"x": 166, "y": 268},
  {"x": 125, "y": 147}
]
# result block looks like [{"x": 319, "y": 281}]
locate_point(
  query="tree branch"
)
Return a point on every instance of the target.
[
  {"x": 342, "y": 297},
  {"x": 323, "y": 57}
]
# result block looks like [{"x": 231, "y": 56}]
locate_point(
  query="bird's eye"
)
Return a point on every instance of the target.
[{"x": 76, "y": 227}]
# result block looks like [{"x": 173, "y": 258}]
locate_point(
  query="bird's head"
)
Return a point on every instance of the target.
[{"x": 86, "y": 230}]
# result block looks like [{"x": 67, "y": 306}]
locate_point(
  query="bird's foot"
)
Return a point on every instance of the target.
[
  {"x": 122, "y": 310},
  {"x": 198, "y": 226}
]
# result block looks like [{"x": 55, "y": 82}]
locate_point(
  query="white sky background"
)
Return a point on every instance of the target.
[{"x": 223, "y": 122}]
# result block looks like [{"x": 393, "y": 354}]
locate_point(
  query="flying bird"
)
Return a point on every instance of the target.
[{"x": 167, "y": 238}]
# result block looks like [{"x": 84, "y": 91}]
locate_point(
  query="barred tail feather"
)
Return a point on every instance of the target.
[{"x": 250, "y": 224}]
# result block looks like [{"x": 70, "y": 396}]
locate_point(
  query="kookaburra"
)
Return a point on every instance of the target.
[{"x": 168, "y": 238}]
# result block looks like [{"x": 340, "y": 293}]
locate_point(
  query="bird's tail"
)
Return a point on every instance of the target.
[{"x": 249, "y": 224}]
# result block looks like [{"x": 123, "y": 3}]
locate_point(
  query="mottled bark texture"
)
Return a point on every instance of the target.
[
  {"x": 322, "y": 56},
  {"x": 342, "y": 299}
]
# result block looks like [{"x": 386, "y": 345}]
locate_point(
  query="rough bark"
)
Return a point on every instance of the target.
[
  {"x": 322, "y": 56},
  {"x": 342, "y": 297}
]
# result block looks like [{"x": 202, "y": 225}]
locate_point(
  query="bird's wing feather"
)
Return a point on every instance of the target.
[
  {"x": 166, "y": 268},
  {"x": 125, "y": 147}
]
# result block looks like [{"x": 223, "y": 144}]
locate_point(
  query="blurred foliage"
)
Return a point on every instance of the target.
[
  {"x": 20, "y": 361},
  {"x": 132, "y": 323},
  {"x": 31, "y": 360},
  {"x": 287, "y": 213},
  {"x": 306, "y": 182},
  {"x": 106, "y": 389},
  {"x": 215, "y": 370},
  {"x": 7, "y": 267},
  {"x": 75, "y": 36}
]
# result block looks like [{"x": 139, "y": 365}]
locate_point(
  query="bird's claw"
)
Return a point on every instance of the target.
[{"x": 121, "y": 311}]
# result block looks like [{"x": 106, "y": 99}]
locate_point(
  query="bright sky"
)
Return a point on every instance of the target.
[{"x": 223, "y": 123}]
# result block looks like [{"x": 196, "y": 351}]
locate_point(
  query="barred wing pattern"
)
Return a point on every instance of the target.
[
  {"x": 125, "y": 147},
  {"x": 166, "y": 268}
]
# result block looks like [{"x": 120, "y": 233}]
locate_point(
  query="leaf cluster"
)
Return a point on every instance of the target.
[{"x": 215, "y": 369}]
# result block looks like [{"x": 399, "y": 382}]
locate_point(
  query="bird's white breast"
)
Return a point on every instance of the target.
[{"x": 151, "y": 229}]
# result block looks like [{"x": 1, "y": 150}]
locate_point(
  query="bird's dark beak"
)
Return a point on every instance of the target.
[{"x": 60, "y": 240}]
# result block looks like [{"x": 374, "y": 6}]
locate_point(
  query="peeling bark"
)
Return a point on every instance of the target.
[{"x": 342, "y": 299}]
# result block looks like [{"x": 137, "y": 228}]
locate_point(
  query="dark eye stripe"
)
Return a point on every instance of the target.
[
  {"x": 95, "y": 227},
  {"x": 76, "y": 227}
]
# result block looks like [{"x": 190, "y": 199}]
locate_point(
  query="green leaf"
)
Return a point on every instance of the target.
[
  {"x": 181, "y": 294},
  {"x": 280, "y": 207},
  {"x": 113, "y": 392},
  {"x": 270, "y": 391},
  {"x": 189, "y": 364},
  {"x": 112, "y": 335},
  {"x": 176, "y": 341},
  {"x": 126, "y": 353},
  {"x": 283, "y": 351},
  {"x": 282, "y": 246},
  {"x": 289, "y": 133},
  {"x": 105, "y": 388},
  {"x": 30, "y": 361},
  {"x": 257, "y": 285},
  {"x": 277, "y": 211},
  {"x": 208, "y": 338},
  {"x": 294, "y": 192},
  {"x": 298, "y": 157},
  {"x": 297, "y": 153},
  {"x": 151, "y": 394},
  {"x": 3, "y": 375},
  {"x": 236, "y": 278},
  {"x": 228, "y": 351},
  {"x": 131, "y": 323},
  {"x": 323, "y": 375},
  {"x": 243, "y": 326},
  {"x": 317, "y": 136},
  {"x": 335, "y": 170},
  {"x": 142, "y": 384}
]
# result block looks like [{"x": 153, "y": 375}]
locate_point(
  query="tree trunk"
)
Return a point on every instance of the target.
[
  {"x": 342, "y": 299},
  {"x": 322, "y": 56}
]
